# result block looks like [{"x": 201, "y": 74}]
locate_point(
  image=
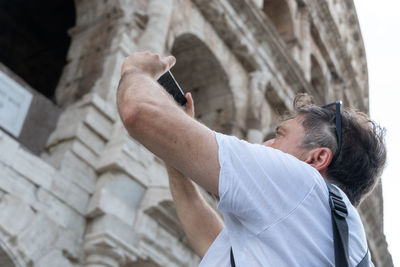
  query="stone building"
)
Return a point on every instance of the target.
[{"x": 75, "y": 189}]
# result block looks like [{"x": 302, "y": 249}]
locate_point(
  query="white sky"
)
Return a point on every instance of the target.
[{"x": 380, "y": 26}]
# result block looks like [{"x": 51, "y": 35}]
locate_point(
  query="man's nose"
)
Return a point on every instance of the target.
[{"x": 269, "y": 142}]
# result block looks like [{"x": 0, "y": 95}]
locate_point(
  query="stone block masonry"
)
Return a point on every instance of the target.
[{"x": 92, "y": 196}]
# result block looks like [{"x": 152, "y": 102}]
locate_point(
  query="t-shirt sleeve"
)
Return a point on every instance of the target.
[{"x": 260, "y": 185}]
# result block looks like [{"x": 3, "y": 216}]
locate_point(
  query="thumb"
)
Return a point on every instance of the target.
[{"x": 189, "y": 105}]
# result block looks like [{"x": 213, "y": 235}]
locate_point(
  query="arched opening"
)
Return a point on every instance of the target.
[
  {"x": 34, "y": 40},
  {"x": 317, "y": 81},
  {"x": 33, "y": 48},
  {"x": 199, "y": 72},
  {"x": 279, "y": 13}
]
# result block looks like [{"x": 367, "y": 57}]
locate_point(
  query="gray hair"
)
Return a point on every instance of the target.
[{"x": 363, "y": 153}]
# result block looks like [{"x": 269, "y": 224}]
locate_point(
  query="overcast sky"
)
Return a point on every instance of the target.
[{"x": 380, "y": 26}]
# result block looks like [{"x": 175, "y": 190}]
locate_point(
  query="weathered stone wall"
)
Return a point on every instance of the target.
[{"x": 95, "y": 197}]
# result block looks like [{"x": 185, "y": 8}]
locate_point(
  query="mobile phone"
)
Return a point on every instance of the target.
[{"x": 168, "y": 81}]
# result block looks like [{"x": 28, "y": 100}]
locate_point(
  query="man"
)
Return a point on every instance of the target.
[{"x": 273, "y": 196}]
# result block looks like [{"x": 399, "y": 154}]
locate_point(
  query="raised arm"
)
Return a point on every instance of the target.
[
  {"x": 151, "y": 117},
  {"x": 200, "y": 222}
]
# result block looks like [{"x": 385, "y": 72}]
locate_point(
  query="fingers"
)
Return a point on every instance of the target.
[
  {"x": 189, "y": 105},
  {"x": 170, "y": 61},
  {"x": 166, "y": 63},
  {"x": 150, "y": 63}
]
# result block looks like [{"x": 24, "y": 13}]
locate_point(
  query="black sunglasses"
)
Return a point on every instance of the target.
[{"x": 338, "y": 119}]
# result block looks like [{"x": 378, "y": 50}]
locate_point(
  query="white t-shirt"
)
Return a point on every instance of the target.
[{"x": 276, "y": 211}]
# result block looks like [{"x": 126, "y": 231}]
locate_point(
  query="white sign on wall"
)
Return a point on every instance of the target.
[{"x": 14, "y": 105}]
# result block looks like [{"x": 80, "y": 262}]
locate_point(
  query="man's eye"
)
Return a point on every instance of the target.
[{"x": 278, "y": 131}]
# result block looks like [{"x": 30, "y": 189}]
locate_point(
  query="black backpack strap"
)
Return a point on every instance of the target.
[
  {"x": 365, "y": 261},
  {"x": 340, "y": 227},
  {"x": 340, "y": 230}
]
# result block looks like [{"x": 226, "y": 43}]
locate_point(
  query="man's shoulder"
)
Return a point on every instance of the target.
[{"x": 262, "y": 153}]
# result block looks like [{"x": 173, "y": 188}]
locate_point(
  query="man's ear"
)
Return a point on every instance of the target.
[{"x": 319, "y": 158}]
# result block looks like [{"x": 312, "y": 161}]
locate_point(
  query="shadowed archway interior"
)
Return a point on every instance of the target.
[
  {"x": 198, "y": 71},
  {"x": 34, "y": 40}
]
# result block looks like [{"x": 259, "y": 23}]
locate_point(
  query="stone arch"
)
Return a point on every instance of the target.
[
  {"x": 198, "y": 71},
  {"x": 279, "y": 13},
  {"x": 34, "y": 40},
  {"x": 318, "y": 81}
]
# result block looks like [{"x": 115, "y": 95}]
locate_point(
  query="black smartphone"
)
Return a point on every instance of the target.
[{"x": 168, "y": 81}]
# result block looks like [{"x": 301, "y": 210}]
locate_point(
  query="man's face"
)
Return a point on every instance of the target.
[{"x": 289, "y": 137}]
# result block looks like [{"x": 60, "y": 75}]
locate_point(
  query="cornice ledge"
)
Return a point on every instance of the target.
[
  {"x": 251, "y": 36},
  {"x": 105, "y": 243},
  {"x": 324, "y": 23},
  {"x": 158, "y": 204}
]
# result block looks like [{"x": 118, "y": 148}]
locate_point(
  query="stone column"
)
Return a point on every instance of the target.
[
  {"x": 101, "y": 39},
  {"x": 154, "y": 37},
  {"x": 257, "y": 86},
  {"x": 126, "y": 170},
  {"x": 305, "y": 37}
]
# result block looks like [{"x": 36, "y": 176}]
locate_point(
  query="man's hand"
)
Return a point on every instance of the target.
[
  {"x": 141, "y": 68},
  {"x": 152, "y": 117},
  {"x": 148, "y": 63}
]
